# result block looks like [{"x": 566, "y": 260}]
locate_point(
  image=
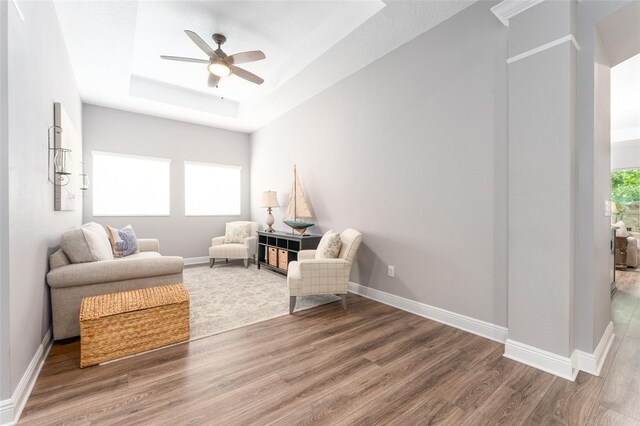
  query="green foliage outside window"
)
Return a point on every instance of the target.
[{"x": 625, "y": 189}]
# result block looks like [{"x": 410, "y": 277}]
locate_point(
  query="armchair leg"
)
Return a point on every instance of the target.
[
  {"x": 246, "y": 263},
  {"x": 227, "y": 260},
  {"x": 292, "y": 304},
  {"x": 344, "y": 301},
  {"x": 212, "y": 261}
]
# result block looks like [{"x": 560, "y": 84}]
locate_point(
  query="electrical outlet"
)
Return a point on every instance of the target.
[{"x": 391, "y": 270}]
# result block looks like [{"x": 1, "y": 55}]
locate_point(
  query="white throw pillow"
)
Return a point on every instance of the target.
[
  {"x": 237, "y": 232},
  {"x": 329, "y": 246},
  {"x": 82, "y": 245},
  {"x": 622, "y": 229},
  {"x": 102, "y": 234}
]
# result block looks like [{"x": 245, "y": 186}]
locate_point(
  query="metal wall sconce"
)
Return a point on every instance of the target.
[
  {"x": 84, "y": 180},
  {"x": 61, "y": 161}
]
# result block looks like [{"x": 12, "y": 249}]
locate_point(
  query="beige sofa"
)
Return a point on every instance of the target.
[{"x": 71, "y": 282}]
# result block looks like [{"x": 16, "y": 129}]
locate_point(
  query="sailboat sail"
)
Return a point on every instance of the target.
[
  {"x": 298, "y": 208},
  {"x": 298, "y": 214}
]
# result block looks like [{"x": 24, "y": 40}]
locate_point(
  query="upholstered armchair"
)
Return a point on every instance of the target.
[
  {"x": 632, "y": 248},
  {"x": 309, "y": 275},
  {"x": 235, "y": 250}
]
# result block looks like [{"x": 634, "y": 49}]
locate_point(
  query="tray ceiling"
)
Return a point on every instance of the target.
[{"x": 115, "y": 49}]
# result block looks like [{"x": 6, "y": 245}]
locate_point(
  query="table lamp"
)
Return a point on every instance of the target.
[{"x": 269, "y": 199}]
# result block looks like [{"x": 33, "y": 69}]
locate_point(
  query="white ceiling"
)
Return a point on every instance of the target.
[
  {"x": 115, "y": 46},
  {"x": 625, "y": 100}
]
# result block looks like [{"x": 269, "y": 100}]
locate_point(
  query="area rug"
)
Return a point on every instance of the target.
[{"x": 229, "y": 296}]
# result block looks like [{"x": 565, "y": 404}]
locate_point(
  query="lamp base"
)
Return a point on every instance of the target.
[{"x": 269, "y": 221}]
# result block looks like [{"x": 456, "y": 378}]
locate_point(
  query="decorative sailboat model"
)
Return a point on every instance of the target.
[{"x": 298, "y": 215}]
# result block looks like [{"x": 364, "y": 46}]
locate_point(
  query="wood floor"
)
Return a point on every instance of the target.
[{"x": 371, "y": 365}]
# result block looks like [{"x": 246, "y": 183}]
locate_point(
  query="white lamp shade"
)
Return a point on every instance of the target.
[{"x": 269, "y": 199}]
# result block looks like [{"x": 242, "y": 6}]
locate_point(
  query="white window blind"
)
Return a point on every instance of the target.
[
  {"x": 128, "y": 185},
  {"x": 211, "y": 189}
]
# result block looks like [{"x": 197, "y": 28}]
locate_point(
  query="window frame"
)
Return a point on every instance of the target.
[
  {"x": 204, "y": 163},
  {"x": 142, "y": 157}
]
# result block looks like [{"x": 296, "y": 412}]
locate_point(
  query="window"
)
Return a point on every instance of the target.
[
  {"x": 128, "y": 185},
  {"x": 625, "y": 193},
  {"x": 211, "y": 189}
]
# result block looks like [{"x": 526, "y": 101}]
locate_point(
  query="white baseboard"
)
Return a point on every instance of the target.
[
  {"x": 472, "y": 325},
  {"x": 592, "y": 363},
  {"x": 11, "y": 409},
  {"x": 196, "y": 260},
  {"x": 543, "y": 360}
]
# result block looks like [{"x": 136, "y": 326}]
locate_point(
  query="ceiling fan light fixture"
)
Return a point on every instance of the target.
[
  {"x": 219, "y": 69},
  {"x": 219, "y": 63}
]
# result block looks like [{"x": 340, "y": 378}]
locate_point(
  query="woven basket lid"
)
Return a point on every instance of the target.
[{"x": 105, "y": 305}]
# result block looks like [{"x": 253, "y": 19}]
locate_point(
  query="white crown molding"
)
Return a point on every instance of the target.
[
  {"x": 472, "y": 325},
  {"x": 11, "y": 409},
  {"x": 510, "y": 8},
  {"x": 188, "y": 261},
  {"x": 542, "y": 360},
  {"x": 546, "y": 46},
  {"x": 592, "y": 363}
]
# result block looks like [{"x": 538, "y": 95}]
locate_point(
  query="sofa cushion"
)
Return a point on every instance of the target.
[
  {"x": 101, "y": 233},
  {"x": 236, "y": 232},
  {"x": 83, "y": 245},
  {"x": 141, "y": 255},
  {"x": 329, "y": 246},
  {"x": 123, "y": 241}
]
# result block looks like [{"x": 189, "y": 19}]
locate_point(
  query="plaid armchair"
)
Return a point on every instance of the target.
[
  {"x": 309, "y": 275},
  {"x": 245, "y": 250}
]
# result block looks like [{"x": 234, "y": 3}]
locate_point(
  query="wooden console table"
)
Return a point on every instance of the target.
[
  {"x": 621, "y": 252},
  {"x": 277, "y": 249}
]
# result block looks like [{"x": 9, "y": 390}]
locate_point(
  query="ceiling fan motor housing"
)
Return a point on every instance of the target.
[{"x": 219, "y": 38}]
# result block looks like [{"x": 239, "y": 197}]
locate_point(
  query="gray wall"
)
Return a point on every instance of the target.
[
  {"x": 412, "y": 151},
  {"x": 625, "y": 155},
  {"x": 39, "y": 75},
  {"x": 592, "y": 240},
  {"x": 112, "y": 130},
  {"x": 5, "y": 365}
]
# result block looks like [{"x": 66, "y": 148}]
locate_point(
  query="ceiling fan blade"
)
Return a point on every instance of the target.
[
  {"x": 244, "y": 57},
  {"x": 181, "y": 59},
  {"x": 246, "y": 75},
  {"x": 213, "y": 80},
  {"x": 201, "y": 44}
]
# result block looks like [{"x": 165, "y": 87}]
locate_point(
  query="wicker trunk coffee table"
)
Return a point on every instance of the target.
[{"x": 116, "y": 325}]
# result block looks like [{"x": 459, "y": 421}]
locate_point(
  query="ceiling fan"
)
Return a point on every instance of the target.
[{"x": 221, "y": 65}]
